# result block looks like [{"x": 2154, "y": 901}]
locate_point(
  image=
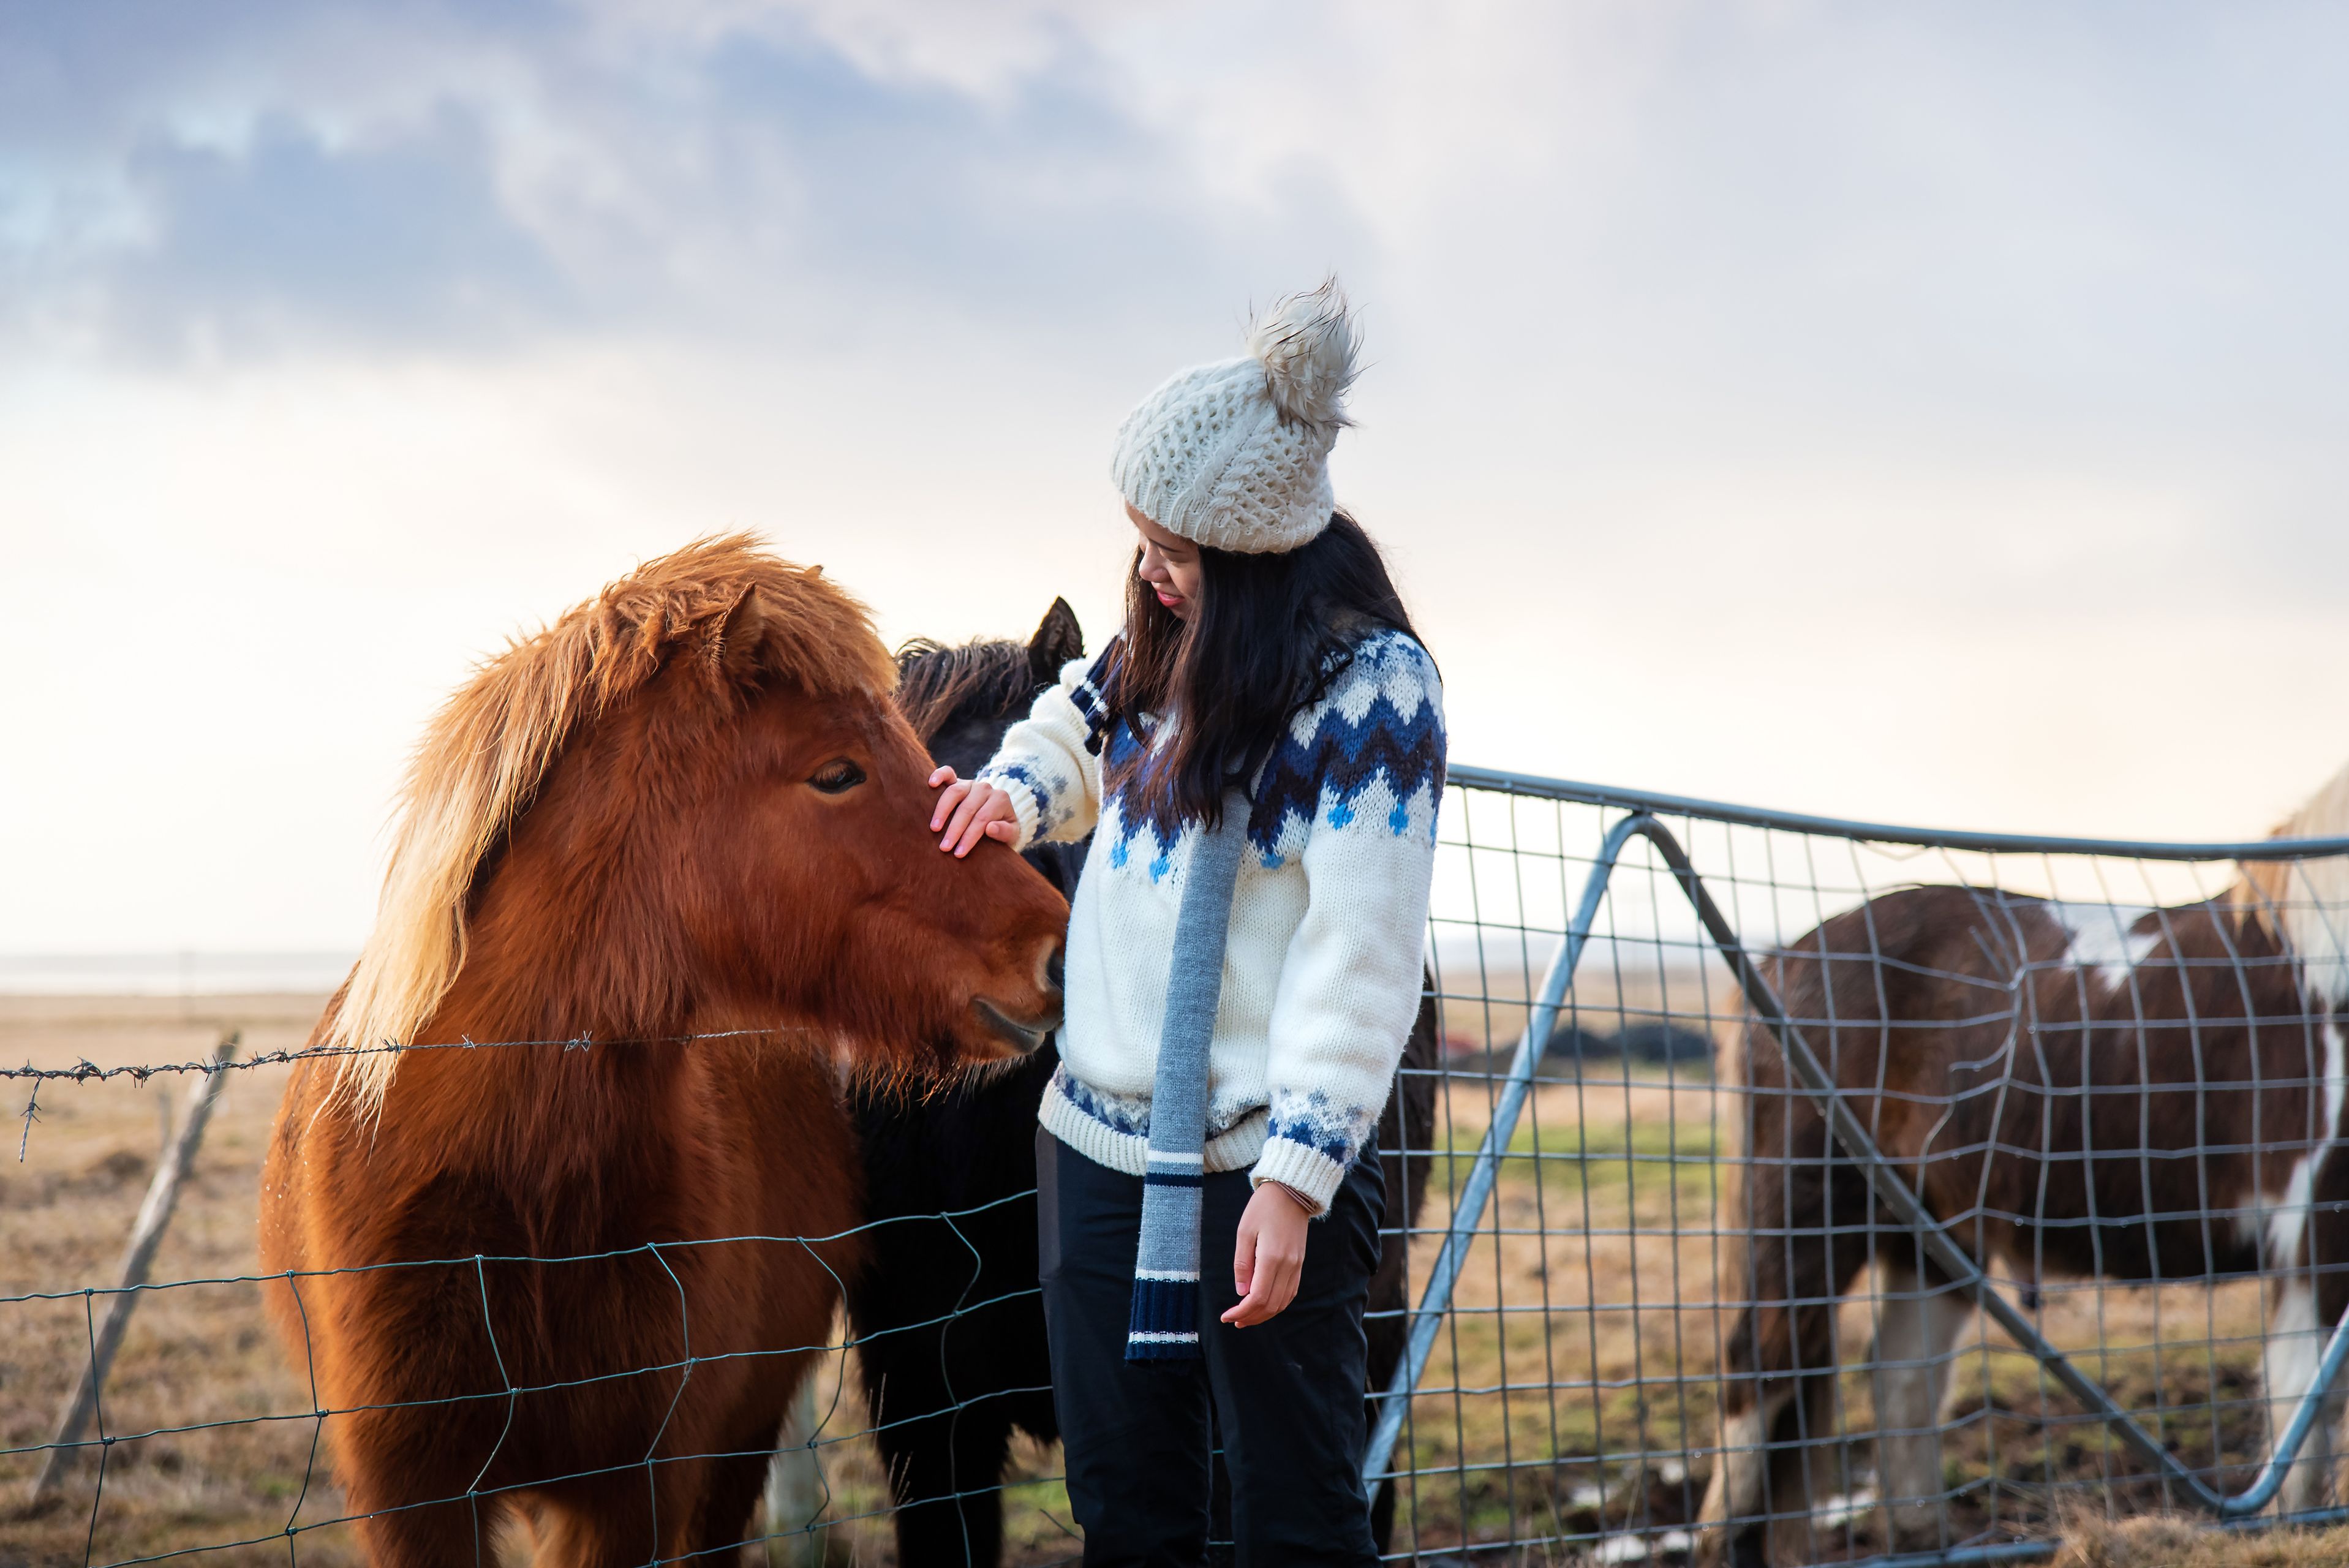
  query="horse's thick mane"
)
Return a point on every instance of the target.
[
  {"x": 720, "y": 602},
  {"x": 936, "y": 679},
  {"x": 2307, "y": 902}
]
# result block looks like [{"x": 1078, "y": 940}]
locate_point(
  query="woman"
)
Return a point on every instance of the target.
[{"x": 1258, "y": 755}]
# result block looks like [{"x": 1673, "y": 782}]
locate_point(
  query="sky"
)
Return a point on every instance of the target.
[{"x": 1927, "y": 413}]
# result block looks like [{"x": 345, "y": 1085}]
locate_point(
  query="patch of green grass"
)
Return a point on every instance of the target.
[
  {"x": 1662, "y": 1163},
  {"x": 1618, "y": 1140}
]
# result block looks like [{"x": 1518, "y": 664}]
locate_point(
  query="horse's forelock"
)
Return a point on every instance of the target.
[{"x": 743, "y": 615}]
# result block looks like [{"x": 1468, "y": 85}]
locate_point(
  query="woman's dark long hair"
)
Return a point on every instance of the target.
[{"x": 1266, "y": 634}]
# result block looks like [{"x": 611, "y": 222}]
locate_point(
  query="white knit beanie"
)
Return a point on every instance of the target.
[{"x": 1235, "y": 455}]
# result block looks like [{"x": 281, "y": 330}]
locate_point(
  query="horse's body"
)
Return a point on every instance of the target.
[
  {"x": 948, "y": 1321},
  {"x": 2074, "y": 1089},
  {"x": 677, "y": 837}
]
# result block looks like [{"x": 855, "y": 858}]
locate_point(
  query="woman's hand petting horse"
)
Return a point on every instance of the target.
[
  {"x": 1268, "y": 1257},
  {"x": 978, "y": 810}
]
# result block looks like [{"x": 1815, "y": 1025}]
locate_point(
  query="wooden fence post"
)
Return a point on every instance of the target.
[{"x": 146, "y": 1235}]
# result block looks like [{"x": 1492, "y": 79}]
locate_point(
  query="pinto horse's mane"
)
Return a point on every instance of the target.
[
  {"x": 728, "y": 610},
  {"x": 2306, "y": 903},
  {"x": 2325, "y": 816}
]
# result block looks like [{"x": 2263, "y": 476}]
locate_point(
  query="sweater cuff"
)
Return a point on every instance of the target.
[
  {"x": 1025, "y": 808},
  {"x": 1302, "y": 1169}
]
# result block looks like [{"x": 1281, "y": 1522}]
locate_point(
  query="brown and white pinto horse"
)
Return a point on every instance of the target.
[
  {"x": 2075, "y": 1090},
  {"x": 679, "y": 833}
]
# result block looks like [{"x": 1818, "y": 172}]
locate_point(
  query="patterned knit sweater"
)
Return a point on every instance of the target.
[{"x": 1323, "y": 964}]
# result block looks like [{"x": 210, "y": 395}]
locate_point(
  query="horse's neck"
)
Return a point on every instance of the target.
[
  {"x": 561, "y": 1013},
  {"x": 591, "y": 991}
]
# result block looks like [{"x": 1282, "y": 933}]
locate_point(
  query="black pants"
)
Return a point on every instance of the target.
[{"x": 1285, "y": 1397}]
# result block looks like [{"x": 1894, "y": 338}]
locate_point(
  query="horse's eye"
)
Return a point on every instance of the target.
[{"x": 838, "y": 778}]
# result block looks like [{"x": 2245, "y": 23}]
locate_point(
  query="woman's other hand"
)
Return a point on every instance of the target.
[
  {"x": 970, "y": 810},
  {"x": 1270, "y": 1259}
]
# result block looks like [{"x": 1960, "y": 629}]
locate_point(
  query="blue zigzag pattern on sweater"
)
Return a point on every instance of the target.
[
  {"x": 1087, "y": 694},
  {"x": 1125, "y": 757},
  {"x": 1335, "y": 1133},
  {"x": 1343, "y": 758},
  {"x": 1131, "y": 1113}
]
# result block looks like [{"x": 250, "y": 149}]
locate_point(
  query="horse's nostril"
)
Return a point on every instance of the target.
[{"x": 1056, "y": 969}]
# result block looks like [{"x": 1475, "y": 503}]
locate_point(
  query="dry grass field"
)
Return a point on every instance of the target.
[
  {"x": 1569, "y": 1404},
  {"x": 195, "y": 1355},
  {"x": 2164, "y": 1541}
]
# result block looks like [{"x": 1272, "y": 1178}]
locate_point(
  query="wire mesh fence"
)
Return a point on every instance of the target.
[{"x": 1791, "y": 1190}]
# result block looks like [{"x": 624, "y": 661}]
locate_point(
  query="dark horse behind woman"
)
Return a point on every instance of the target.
[
  {"x": 2163, "y": 1089},
  {"x": 947, "y": 1318},
  {"x": 664, "y": 861}
]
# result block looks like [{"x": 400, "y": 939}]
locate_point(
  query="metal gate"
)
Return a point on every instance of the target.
[{"x": 1594, "y": 950}]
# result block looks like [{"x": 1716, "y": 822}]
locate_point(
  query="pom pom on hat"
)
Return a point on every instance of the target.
[
  {"x": 1305, "y": 344},
  {"x": 1234, "y": 455}
]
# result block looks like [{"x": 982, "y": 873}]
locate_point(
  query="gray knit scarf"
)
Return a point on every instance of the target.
[{"x": 1164, "y": 1325}]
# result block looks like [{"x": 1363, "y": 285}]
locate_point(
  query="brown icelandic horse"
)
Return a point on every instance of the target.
[
  {"x": 2163, "y": 1089},
  {"x": 678, "y": 836}
]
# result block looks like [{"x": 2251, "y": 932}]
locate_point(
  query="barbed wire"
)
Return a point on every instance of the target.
[{"x": 87, "y": 1071}]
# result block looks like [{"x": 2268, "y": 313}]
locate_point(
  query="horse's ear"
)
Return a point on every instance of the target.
[
  {"x": 1058, "y": 640},
  {"x": 742, "y": 636}
]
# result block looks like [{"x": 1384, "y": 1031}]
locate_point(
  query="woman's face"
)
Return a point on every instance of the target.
[{"x": 1170, "y": 564}]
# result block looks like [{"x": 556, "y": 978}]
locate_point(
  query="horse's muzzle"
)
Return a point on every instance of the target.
[{"x": 1021, "y": 1038}]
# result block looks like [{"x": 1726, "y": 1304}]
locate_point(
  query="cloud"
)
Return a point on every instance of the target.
[
  {"x": 398, "y": 241},
  {"x": 588, "y": 170}
]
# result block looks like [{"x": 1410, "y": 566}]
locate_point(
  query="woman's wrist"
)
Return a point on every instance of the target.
[{"x": 1296, "y": 1197}]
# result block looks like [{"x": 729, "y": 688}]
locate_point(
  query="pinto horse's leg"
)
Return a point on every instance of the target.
[
  {"x": 1918, "y": 1326},
  {"x": 1790, "y": 1215},
  {"x": 1778, "y": 1447},
  {"x": 1805, "y": 1452},
  {"x": 2295, "y": 1340},
  {"x": 2306, "y": 1302},
  {"x": 1780, "y": 1455},
  {"x": 1733, "y": 1498},
  {"x": 2300, "y": 1316},
  {"x": 1752, "y": 1392},
  {"x": 1778, "y": 1450}
]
